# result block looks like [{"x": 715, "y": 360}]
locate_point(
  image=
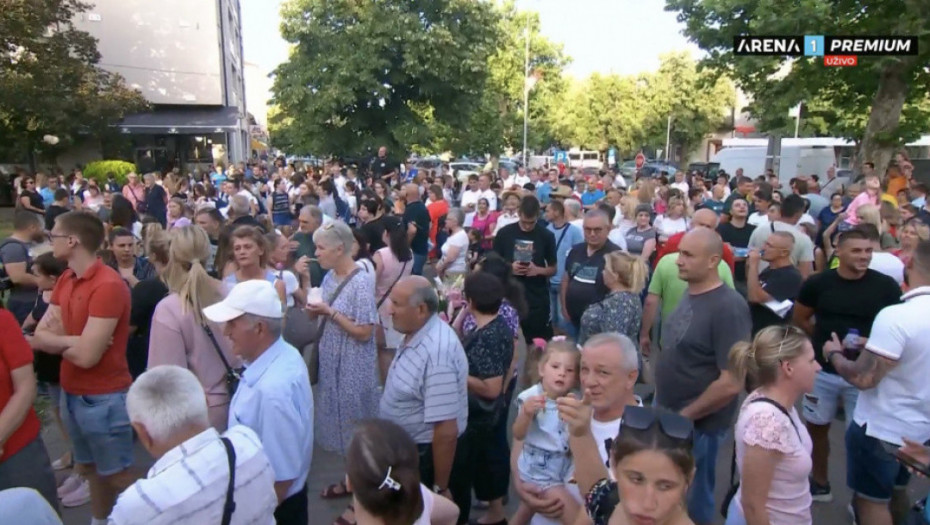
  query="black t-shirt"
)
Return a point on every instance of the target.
[
  {"x": 48, "y": 366},
  {"x": 586, "y": 278},
  {"x": 841, "y": 304},
  {"x": 51, "y": 213},
  {"x": 783, "y": 284},
  {"x": 738, "y": 238},
  {"x": 416, "y": 213},
  {"x": 543, "y": 247},
  {"x": 381, "y": 166},
  {"x": 374, "y": 231},
  {"x": 145, "y": 297}
]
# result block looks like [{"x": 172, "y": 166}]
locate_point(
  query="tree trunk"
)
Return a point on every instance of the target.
[{"x": 883, "y": 119}]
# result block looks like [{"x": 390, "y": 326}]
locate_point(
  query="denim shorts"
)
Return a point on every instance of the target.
[
  {"x": 99, "y": 429},
  {"x": 871, "y": 471},
  {"x": 820, "y": 405},
  {"x": 544, "y": 468}
]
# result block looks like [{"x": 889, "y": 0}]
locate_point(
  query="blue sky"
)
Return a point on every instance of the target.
[{"x": 621, "y": 36}]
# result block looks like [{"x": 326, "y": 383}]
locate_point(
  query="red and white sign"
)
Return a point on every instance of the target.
[
  {"x": 640, "y": 160},
  {"x": 840, "y": 60}
]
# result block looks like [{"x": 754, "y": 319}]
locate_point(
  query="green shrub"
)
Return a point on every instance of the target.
[{"x": 98, "y": 170}]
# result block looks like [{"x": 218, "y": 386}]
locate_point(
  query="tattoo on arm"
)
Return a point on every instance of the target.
[{"x": 866, "y": 371}]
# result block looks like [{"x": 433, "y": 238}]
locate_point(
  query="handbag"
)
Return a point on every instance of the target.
[
  {"x": 734, "y": 481},
  {"x": 312, "y": 349},
  {"x": 233, "y": 376},
  {"x": 380, "y": 341},
  {"x": 299, "y": 331}
]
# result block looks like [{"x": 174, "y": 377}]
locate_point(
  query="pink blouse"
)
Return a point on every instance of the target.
[
  {"x": 860, "y": 200},
  {"x": 763, "y": 425}
]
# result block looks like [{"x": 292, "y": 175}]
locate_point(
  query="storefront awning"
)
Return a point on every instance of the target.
[{"x": 181, "y": 121}]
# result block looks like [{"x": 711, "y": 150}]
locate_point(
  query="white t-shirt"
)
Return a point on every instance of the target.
[
  {"x": 291, "y": 284},
  {"x": 683, "y": 186},
  {"x": 368, "y": 267},
  {"x": 667, "y": 227},
  {"x": 470, "y": 197},
  {"x": 617, "y": 236},
  {"x": 888, "y": 264},
  {"x": 460, "y": 239},
  {"x": 898, "y": 405},
  {"x": 516, "y": 180},
  {"x": 758, "y": 219},
  {"x": 491, "y": 196},
  {"x": 428, "y": 496}
]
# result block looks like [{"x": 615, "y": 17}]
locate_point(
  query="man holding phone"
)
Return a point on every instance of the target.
[{"x": 894, "y": 401}]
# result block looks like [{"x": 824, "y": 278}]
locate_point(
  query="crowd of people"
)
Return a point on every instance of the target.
[{"x": 457, "y": 339}]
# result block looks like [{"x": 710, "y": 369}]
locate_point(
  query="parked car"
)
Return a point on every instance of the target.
[
  {"x": 654, "y": 169},
  {"x": 464, "y": 169},
  {"x": 628, "y": 168}
]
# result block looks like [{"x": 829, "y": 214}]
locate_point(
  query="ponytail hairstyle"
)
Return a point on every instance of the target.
[
  {"x": 629, "y": 269},
  {"x": 760, "y": 360},
  {"x": 157, "y": 246},
  {"x": 382, "y": 467},
  {"x": 186, "y": 273},
  {"x": 397, "y": 238}
]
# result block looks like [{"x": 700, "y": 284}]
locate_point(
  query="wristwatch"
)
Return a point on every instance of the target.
[{"x": 438, "y": 490}]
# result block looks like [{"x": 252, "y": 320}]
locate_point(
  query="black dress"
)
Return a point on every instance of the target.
[{"x": 145, "y": 297}]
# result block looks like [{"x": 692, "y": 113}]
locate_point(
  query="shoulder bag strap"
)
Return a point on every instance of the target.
[
  {"x": 230, "y": 506},
  {"x": 388, "y": 292},
  {"x": 562, "y": 236},
  {"x": 780, "y": 409},
  {"x": 332, "y": 298},
  {"x": 216, "y": 346}
]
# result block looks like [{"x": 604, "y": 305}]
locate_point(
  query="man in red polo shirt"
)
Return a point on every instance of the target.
[
  {"x": 703, "y": 218},
  {"x": 87, "y": 323}
]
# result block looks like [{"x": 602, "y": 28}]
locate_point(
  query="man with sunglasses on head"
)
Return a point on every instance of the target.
[{"x": 692, "y": 375}]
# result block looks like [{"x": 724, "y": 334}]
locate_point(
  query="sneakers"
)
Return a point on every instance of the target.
[
  {"x": 820, "y": 492},
  {"x": 78, "y": 496},
  {"x": 71, "y": 483}
]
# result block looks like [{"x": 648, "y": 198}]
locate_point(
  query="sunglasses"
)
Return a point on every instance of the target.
[{"x": 672, "y": 425}]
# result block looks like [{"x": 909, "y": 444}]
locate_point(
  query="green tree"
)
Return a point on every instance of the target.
[
  {"x": 878, "y": 104},
  {"x": 368, "y": 73},
  {"x": 50, "y": 83}
]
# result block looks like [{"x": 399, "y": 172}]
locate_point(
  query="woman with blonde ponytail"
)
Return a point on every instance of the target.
[
  {"x": 180, "y": 335},
  {"x": 622, "y": 310},
  {"x": 773, "y": 447}
]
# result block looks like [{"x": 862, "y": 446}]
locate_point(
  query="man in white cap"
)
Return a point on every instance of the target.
[{"x": 274, "y": 397}]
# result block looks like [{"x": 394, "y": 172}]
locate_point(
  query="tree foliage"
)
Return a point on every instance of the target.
[
  {"x": 880, "y": 103},
  {"x": 367, "y": 73},
  {"x": 50, "y": 83},
  {"x": 630, "y": 112}
]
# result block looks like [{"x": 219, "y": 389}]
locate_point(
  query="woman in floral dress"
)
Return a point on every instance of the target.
[{"x": 348, "y": 387}]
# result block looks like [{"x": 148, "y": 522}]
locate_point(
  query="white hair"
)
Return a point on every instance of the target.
[
  {"x": 166, "y": 399},
  {"x": 336, "y": 233},
  {"x": 239, "y": 205},
  {"x": 572, "y": 208},
  {"x": 629, "y": 356}
]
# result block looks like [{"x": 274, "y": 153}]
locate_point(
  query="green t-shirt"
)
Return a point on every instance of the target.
[
  {"x": 666, "y": 284},
  {"x": 306, "y": 247}
]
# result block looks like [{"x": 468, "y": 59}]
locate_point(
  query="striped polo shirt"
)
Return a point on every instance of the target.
[{"x": 427, "y": 382}]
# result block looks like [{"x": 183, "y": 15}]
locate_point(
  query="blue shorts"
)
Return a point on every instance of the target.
[
  {"x": 871, "y": 471},
  {"x": 282, "y": 218},
  {"x": 820, "y": 406},
  {"x": 544, "y": 468},
  {"x": 99, "y": 429}
]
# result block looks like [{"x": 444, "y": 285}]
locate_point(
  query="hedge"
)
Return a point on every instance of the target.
[{"x": 98, "y": 170}]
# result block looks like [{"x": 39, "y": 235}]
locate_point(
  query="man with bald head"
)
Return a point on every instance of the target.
[
  {"x": 426, "y": 387},
  {"x": 417, "y": 219},
  {"x": 691, "y": 372},
  {"x": 666, "y": 287}
]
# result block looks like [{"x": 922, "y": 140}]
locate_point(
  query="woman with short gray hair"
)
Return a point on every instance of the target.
[
  {"x": 455, "y": 249},
  {"x": 348, "y": 387}
]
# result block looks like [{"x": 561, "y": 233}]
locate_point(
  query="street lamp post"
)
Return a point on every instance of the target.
[{"x": 526, "y": 90}]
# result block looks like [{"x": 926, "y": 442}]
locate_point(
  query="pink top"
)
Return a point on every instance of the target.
[
  {"x": 860, "y": 200},
  {"x": 484, "y": 226},
  {"x": 176, "y": 339},
  {"x": 388, "y": 273},
  {"x": 763, "y": 425}
]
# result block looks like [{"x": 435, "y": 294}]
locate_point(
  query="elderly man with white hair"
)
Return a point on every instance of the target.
[
  {"x": 608, "y": 372},
  {"x": 573, "y": 213},
  {"x": 273, "y": 397},
  {"x": 197, "y": 472}
]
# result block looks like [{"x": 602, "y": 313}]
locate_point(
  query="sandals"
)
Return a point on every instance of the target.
[
  {"x": 336, "y": 491},
  {"x": 343, "y": 521}
]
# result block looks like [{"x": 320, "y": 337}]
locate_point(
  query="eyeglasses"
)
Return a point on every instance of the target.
[
  {"x": 672, "y": 425},
  {"x": 52, "y": 236}
]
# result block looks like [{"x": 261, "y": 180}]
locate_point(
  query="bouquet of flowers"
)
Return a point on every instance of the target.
[{"x": 450, "y": 297}]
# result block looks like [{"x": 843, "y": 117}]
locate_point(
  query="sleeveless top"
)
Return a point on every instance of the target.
[
  {"x": 636, "y": 240},
  {"x": 231, "y": 279},
  {"x": 388, "y": 272},
  {"x": 280, "y": 203}
]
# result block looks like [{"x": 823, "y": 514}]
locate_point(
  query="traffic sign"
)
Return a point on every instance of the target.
[
  {"x": 561, "y": 156},
  {"x": 611, "y": 156},
  {"x": 640, "y": 160}
]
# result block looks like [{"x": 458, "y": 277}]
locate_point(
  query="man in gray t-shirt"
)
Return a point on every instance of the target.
[
  {"x": 691, "y": 373},
  {"x": 17, "y": 262}
]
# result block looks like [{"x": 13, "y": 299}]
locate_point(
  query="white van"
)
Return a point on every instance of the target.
[
  {"x": 585, "y": 159},
  {"x": 794, "y": 161}
]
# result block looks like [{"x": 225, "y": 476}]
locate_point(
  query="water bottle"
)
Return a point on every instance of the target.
[{"x": 851, "y": 344}]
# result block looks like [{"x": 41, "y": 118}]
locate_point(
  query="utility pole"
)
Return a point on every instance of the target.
[{"x": 526, "y": 89}]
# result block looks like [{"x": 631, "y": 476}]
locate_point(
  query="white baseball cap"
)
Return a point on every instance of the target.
[{"x": 256, "y": 297}]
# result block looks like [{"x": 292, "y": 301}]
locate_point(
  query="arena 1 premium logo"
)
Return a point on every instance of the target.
[{"x": 835, "y": 50}]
